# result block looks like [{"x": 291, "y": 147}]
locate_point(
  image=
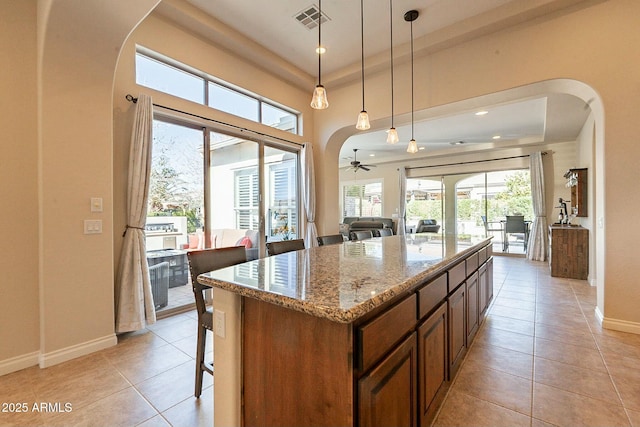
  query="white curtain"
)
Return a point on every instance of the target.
[
  {"x": 402, "y": 206},
  {"x": 537, "y": 247},
  {"x": 309, "y": 195},
  {"x": 134, "y": 300}
]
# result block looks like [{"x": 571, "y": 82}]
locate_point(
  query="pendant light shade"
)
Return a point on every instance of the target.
[
  {"x": 413, "y": 147},
  {"x": 319, "y": 99},
  {"x": 392, "y": 136},
  {"x": 411, "y": 16},
  {"x": 392, "y": 133},
  {"x": 363, "y": 121},
  {"x": 363, "y": 117}
]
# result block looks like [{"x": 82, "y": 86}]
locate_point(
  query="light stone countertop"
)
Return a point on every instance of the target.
[{"x": 340, "y": 282}]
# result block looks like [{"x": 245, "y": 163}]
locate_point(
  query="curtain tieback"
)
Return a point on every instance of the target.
[{"x": 131, "y": 226}]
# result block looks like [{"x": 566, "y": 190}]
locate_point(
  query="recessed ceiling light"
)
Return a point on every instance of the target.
[
  {"x": 320, "y": 50},
  {"x": 372, "y": 155},
  {"x": 481, "y": 113},
  {"x": 420, "y": 148},
  {"x": 496, "y": 137}
]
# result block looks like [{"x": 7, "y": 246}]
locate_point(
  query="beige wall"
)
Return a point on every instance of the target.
[
  {"x": 525, "y": 59},
  {"x": 18, "y": 182}
]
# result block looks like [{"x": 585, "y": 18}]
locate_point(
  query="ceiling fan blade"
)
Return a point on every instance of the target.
[{"x": 364, "y": 168}]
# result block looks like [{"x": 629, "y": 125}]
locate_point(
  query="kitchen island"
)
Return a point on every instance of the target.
[{"x": 361, "y": 333}]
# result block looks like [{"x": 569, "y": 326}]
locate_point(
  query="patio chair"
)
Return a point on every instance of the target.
[
  {"x": 275, "y": 248},
  {"x": 515, "y": 225},
  {"x": 330, "y": 240},
  {"x": 202, "y": 261}
]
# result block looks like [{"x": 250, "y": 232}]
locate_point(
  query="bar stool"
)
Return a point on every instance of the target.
[{"x": 200, "y": 262}]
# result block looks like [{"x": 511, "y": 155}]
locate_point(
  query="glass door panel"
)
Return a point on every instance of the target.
[
  {"x": 234, "y": 193},
  {"x": 281, "y": 195},
  {"x": 175, "y": 211}
]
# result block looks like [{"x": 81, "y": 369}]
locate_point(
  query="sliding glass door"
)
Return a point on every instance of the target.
[{"x": 212, "y": 190}]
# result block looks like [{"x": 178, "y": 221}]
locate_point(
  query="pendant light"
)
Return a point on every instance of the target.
[
  {"x": 392, "y": 133},
  {"x": 411, "y": 16},
  {"x": 363, "y": 117},
  {"x": 319, "y": 99}
]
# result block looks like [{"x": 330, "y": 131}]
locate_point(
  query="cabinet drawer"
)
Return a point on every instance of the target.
[
  {"x": 431, "y": 295},
  {"x": 482, "y": 255},
  {"x": 457, "y": 275},
  {"x": 472, "y": 264},
  {"x": 378, "y": 336}
]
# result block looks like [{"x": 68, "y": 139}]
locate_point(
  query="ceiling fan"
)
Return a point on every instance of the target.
[{"x": 356, "y": 165}]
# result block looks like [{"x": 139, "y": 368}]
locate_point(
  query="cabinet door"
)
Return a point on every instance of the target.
[
  {"x": 483, "y": 291},
  {"x": 457, "y": 328},
  {"x": 472, "y": 307},
  {"x": 432, "y": 363},
  {"x": 387, "y": 396},
  {"x": 489, "y": 281}
]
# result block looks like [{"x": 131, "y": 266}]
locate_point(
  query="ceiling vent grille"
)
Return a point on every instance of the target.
[{"x": 309, "y": 17}]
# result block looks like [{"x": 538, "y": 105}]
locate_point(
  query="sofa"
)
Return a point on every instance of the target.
[
  {"x": 226, "y": 237},
  {"x": 427, "y": 226},
  {"x": 359, "y": 223}
]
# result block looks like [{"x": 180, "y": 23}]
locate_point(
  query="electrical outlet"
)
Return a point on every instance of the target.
[{"x": 220, "y": 323}]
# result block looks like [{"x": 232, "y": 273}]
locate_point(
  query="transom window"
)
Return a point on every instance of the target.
[{"x": 182, "y": 81}]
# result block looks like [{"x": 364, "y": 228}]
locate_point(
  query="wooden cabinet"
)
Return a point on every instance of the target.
[
  {"x": 391, "y": 367},
  {"x": 432, "y": 363},
  {"x": 473, "y": 319},
  {"x": 457, "y": 328},
  {"x": 387, "y": 396},
  {"x": 569, "y": 252}
]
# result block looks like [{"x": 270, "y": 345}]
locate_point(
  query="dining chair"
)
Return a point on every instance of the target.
[
  {"x": 202, "y": 261},
  {"x": 382, "y": 232},
  {"x": 361, "y": 235},
  {"x": 275, "y": 248},
  {"x": 515, "y": 225},
  {"x": 330, "y": 239}
]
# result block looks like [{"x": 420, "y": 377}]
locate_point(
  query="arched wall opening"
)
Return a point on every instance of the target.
[{"x": 593, "y": 131}]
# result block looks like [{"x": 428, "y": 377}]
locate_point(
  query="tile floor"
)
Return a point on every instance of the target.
[
  {"x": 146, "y": 380},
  {"x": 542, "y": 359},
  {"x": 539, "y": 359}
]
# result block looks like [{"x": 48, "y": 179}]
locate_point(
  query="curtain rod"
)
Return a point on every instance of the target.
[
  {"x": 473, "y": 161},
  {"x": 131, "y": 98}
]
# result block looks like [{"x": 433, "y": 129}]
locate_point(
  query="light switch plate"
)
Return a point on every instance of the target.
[
  {"x": 92, "y": 226},
  {"x": 96, "y": 204}
]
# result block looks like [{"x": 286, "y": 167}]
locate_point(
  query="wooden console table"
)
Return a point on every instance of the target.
[{"x": 569, "y": 251}]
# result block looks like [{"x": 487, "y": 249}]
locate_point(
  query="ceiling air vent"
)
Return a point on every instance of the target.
[{"x": 309, "y": 16}]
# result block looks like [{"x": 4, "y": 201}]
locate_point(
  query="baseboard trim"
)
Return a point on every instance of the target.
[
  {"x": 58, "y": 356},
  {"x": 621, "y": 325},
  {"x": 599, "y": 315},
  {"x": 19, "y": 362}
]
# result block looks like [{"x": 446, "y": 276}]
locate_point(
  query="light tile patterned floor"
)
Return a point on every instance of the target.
[
  {"x": 541, "y": 358},
  {"x": 147, "y": 380}
]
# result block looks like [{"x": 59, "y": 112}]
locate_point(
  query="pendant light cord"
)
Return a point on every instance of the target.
[
  {"x": 319, "y": 43},
  {"x": 412, "y": 80},
  {"x": 362, "y": 46},
  {"x": 391, "y": 32}
]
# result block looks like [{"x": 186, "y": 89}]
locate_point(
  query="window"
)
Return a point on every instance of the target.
[
  {"x": 165, "y": 78},
  {"x": 232, "y": 102},
  {"x": 175, "y": 79},
  {"x": 362, "y": 199},
  {"x": 246, "y": 199}
]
